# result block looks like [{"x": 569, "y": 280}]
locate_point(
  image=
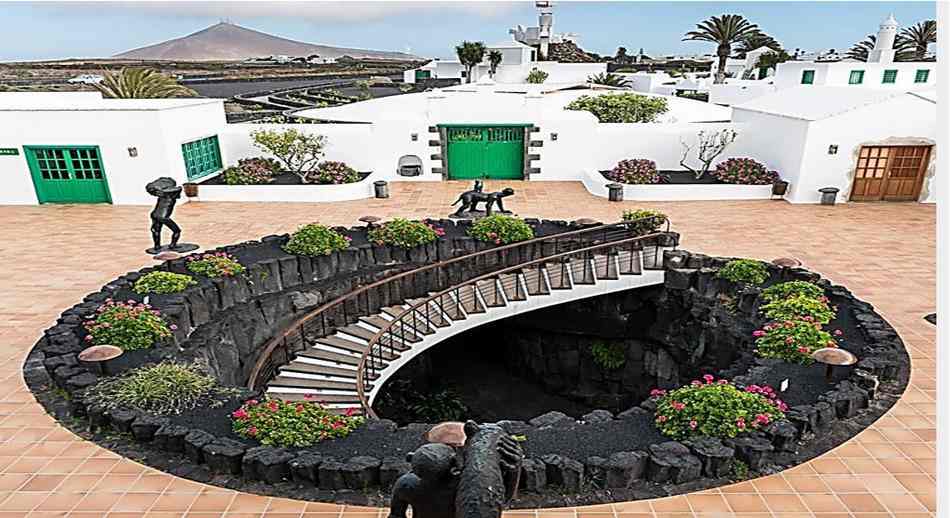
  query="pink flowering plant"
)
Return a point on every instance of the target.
[
  {"x": 715, "y": 408},
  {"x": 332, "y": 172},
  {"x": 275, "y": 422},
  {"x": 745, "y": 171},
  {"x": 634, "y": 171},
  {"x": 800, "y": 307},
  {"x": 127, "y": 325},
  {"x": 251, "y": 171},
  {"x": 785, "y": 290},
  {"x": 405, "y": 233},
  {"x": 501, "y": 230},
  {"x": 215, "y": 264},
  {"x": 792, "y": 340},
  {"x": 316, "y": 239}
]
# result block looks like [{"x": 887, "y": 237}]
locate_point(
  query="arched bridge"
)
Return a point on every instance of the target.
[{"x": 343, "y": 352}]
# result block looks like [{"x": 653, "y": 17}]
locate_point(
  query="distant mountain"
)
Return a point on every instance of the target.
[{"x": 229, "y": 42}]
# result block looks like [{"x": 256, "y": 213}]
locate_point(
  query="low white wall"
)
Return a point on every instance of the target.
[
  {"x": 739, "y": 91},
  {"x": 596, "y": 184},
  {"x": 569, "y": 72},
  {"x": 288, "y": 193}
]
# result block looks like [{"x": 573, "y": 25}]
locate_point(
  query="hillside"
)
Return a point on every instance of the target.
[{"x": 227, "y": 42}]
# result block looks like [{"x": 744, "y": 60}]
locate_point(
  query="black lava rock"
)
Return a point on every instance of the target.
[
  {"x": 552, "y": 418},
  {"x": 391, "y": 469},
  {"x": 195, "y": 442},
  {"x": 597, "y": 416},
  {"x": 224, "y": 456},
  {"x": 533, "y": 475},
  {"x": 564, "y": 472},
  {"x": 784, "y": 435},
  {"x": 121, "y": 419},
  {"x": 144, "y": 427},
  {"x": 672, "y": 462},
  {"x": 361, "y": 472},
  {"x": 267, "y": 464},
  {"x": 304, "y": 468},
  {"x": 330, "y": 475},
  {"x": 626, "y": 467},
  {"x": 595, "y": 471},
  {"x": 715, "y": 456},
  {"x": 752, "y": 449},
  {"x": 171, "y": 438}
]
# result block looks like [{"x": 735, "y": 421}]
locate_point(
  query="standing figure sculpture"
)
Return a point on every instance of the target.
[
  {"x": 167, "y": 192},
  {"x": 471, "y": 199},
  {"x": 475, "y": 481}
]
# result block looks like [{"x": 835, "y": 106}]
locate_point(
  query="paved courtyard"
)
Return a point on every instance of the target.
[{"x": 53, "y": 255}]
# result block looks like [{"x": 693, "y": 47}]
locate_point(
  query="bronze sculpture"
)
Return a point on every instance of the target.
[
  {"x": 167, "y": 191},
  {"x": 471, "y": 199},
  {"x": 474, "y": 481}
]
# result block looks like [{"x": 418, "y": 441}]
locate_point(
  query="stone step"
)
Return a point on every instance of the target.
[
  {"x": 357, "y": 331},
  {"x": 492, "y": 294},
  {"x": 535, "y": 281},
  {"x": 559, "y": 276},
  {"x": 582, "y": 271},
  {"x": 353, "y": 399},
  {"x": 469, "y": 299},
  {"x": 339, "y": 342},
  {"x": 321, "y": 370},
  {"x": 512, "y": 286},
  {"x": 308, "y": 383}
]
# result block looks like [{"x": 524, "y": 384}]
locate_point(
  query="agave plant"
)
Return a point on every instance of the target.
[
  {"x": 141, "y": 83},
  {"x": 607, "y": 79}
]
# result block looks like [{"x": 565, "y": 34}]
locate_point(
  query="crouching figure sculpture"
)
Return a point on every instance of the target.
[
  {"x": 471, "y": 199},
  {"x": 475, "y": 481}
]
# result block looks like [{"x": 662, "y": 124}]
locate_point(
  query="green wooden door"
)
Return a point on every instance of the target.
[
  {"x": 68, "y": 174},
  {"x": 493, "y": 152}
]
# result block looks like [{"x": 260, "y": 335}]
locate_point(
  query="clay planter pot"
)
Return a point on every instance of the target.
[
  {"x": 779, "y": 188},
  {"x": 191, "y": 189}
]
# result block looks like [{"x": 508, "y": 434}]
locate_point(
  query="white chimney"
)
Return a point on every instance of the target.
[{"x": 883, "y": 51}]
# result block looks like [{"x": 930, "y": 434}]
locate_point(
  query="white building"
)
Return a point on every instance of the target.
[
  {"x": 80, "y": 148},
  {"x": 871, "y": 144}
]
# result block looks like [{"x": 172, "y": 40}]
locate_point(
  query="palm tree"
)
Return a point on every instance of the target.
[
  {"x": 915, "y": 39},
  {"x": 607, "y": 79},
  {"x": 494, "y": 59},
  {"x": 757, "y": 40},
  {"x": 724, "y": 31},
  {"x": 470, "y": 53},
  {"x": 141, "y": 83},
  {"x": 621, "y": 57},
  {"x": 861, "y": 50}
]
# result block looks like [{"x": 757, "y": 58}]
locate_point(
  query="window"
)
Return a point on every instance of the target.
[
  {"x": 808, "y": 77},
  {"x": 922, "y": 76},
  {"x": 202, "y": 157},
  {"x": 890, "y": 77},
  {"x": 857, "y": 77}
]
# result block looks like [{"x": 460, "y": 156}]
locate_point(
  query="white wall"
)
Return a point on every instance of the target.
[
  {"x": 738, "y": 91},
  {"x": 156, "y": 134},
  {"x": 569, "y": 72},
  {"x": 789, "y": 74},
  {"x": 777, "y": 142}
]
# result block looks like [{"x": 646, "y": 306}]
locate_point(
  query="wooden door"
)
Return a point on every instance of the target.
[{"x": 891, "y": 173}]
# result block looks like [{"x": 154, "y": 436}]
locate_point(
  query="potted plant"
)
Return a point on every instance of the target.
[
  {"x": 191, "y": 189},
  {"x": 779, "y": 188}
]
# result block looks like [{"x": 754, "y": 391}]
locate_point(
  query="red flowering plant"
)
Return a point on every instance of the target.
[
  {"x": 275, "y": 422},
  {"x": 793, "y": 340},
  {"x": 745, "y": 171},
  {"x": 332, "y": 172},
  {"x": 635, "y": 171},
  {"x": 715, "y": 408},
  {"x": 215, "y": 264},
  {"x": 127, "y": 325}
]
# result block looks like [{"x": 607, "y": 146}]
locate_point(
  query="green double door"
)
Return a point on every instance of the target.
[
  {"x": 68, "y": 174},
  {"x": 493, "y": 152}
]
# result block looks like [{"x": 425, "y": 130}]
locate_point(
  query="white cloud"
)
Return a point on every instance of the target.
[{"x": 325, "y": 11}]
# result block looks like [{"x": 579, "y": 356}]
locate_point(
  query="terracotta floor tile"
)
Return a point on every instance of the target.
[
  {"x": 886, "y": 467},
  {"x": 823, "y": 503}
]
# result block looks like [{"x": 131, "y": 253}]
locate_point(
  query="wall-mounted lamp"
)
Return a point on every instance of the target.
[
  {"x": 553, "y": 136},
  {"x": 133, "y": 152},
  {"x": 414, "y": 137},
  {"x": 833, "y": 149}
]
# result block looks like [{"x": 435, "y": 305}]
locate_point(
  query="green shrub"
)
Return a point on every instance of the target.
[
  {"x": 128, "y": 326},
  {"x": 608, "y": 356},
  {"x": 297, "y": 151},
  {"x": 625, "y": 107},
  {"x": 748, "y": 271},
  {"x": 162, "y": 283},
  {"x": 315, "y": 239},
  {"x": 792, "y": 340},
  {"x": 165, "y": 388},
  {"x": 217, "y": 264},
  {"x": 331, "y": 172},
  {"x": 275, "y": 422},
  {"x": 634, "y": 171},
  {"x": 437, "y": 407},
  {"x": 501, "y": 230},
  {"x": 644, "y": 221},
  {"x": 404, "y": 233},
  {"x": 785, "y": 290},
  {"x": 537, "y": 76},
  {"x": 800, "y": 308},
  {"x": 739, "y": 471},
  {"x": 744, "y": 171},
  {"x": 715, "y": 409}
]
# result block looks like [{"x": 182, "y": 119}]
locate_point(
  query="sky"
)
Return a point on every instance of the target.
[{"x": 50, "y": 30}]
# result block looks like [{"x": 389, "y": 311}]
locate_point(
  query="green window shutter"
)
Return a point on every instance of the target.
[
  {"x": 857, "y": 77},
  {"x": 890, "y": 77},
  {"x": 922, "y": 76},
  {"x": 808, "y": 77},
  {"x": 202, "y": 157}
]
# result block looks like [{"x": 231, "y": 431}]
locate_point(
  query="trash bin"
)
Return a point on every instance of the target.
[
  {"x": 828, "y": 195},
  {"x": 382, "y": 188},
  {"x": 614, "y": 192}
]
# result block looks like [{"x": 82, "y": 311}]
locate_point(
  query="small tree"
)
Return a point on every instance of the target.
[
  {"x": 494, "y": 59},
  {"x": 622, "y": 107},
  {"x": 608, "y": 79},
  {"x": 470, "y": 53},
  {"x": 299, "y": 152},
  {"x": 710, "y": 145},
  {"x": 537, "y": 76}
]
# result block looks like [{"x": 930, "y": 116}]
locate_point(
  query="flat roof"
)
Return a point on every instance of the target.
[
  {"x": 813, "y": 103},
  {"x": 29, "y": 102}
]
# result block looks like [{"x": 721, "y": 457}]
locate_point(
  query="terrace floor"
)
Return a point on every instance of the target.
[{"x": 53, "y": 255}]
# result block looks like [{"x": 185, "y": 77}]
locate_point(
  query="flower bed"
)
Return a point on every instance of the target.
[
  {"x": 286, "y": 187},
  {"x": 596, "y": 183}
]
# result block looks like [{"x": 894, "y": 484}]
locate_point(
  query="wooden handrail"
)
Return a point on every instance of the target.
[
  {"x": 374, "y": 341},
  {"x": 297, "y": 325}
]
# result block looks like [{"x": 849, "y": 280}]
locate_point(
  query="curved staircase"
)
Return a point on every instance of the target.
[{"x": 345, "y": 368}]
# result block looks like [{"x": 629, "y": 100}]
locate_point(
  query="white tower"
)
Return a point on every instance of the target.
[
  {"x": 883, "y": 51},
  {"x": 545, "y": 25}
]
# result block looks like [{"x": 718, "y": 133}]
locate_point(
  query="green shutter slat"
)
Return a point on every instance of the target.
[{"x": 202, "y": 157}]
